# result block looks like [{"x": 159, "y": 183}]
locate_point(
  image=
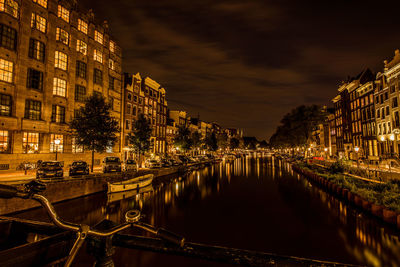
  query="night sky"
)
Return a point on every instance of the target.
[{"x": 245, "y": 64}]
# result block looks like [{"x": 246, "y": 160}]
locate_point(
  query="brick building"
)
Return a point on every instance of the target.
[{"x": 52, "y": 56}]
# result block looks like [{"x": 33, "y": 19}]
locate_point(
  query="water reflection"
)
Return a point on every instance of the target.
[{"x": 250, "y": 203}]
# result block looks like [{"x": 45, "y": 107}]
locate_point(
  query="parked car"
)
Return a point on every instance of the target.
[
  {"x": 152, "y": 164},
  {"x": 49, "y": 169},
  {"x": 130, "y": 165},
  {"x": 79, "y": 167},
  {"x": 111, "y": 164},
  {"x": 166, "y": 163}
]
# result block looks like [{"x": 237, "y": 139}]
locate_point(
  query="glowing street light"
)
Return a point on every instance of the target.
[
  {"x": 356, "y": 149},
  {"x": 382, "y": 138},
  {"x": 56, "y": 142}
]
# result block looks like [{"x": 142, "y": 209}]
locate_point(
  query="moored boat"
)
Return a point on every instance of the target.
[
  {"x": 135, "y": 183},
  {"x": 117, "y": 196}
]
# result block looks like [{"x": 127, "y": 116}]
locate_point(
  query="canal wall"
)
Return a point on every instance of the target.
[
  {"x": 345, "y": 194},
  {"x": 58, "y": 190}
]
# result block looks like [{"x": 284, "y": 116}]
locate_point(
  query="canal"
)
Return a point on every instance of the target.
[{"x": 256, "y": 204}]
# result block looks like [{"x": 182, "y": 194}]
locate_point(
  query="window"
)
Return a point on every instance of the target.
[
  {"x": 36, "y": 50},
  {"x": 387, "y": 110},
  {"x": 62, "y": 36},
  {"x": 63, "y": 13},
  {"x": 59, "y": 87},
  {"x": 80, "y": 93},
  {"x": 112, "y": 46},
  {"x": 6, "y": 70},
  {"x": 35, "y": 79},
  {"x": 395, "y": 103},
  {"x": 10, "y": 7},
  {"x": 77, "y": 113},
  {"x": 392, "y": 89},
  {"x": 75, "y": 147},
  {"x": 111, "y": 82},
  {"x": 4, "y": 142},
  {"x": 98, "y": 56},
  {"x": 383, "y": 113},
  {"x": 53, "y": 146},
  {"x": 38, "y": 22},
  {"x": 134, "y": 111},
  {"x": 30, "y": 142},
  {"x": 82, "y": 26},
  {"x": 5, "y": 105},
  {"x": 33, "y": 109},
  {"x": 81, "y": 69},
  {"x": 396, "y": 120},
  {"x": 377, "y": 100},
  {"x": 98, "y": 37},
  {"x": 43, "y": 3},
  {"x": 111, "y": 64},
  {"x": 127, "y": 124},
  {"x": 81, "y": 47},
  {"x": 8, "y": 37},
  {"x": 98, "y": 76},
  {"x": 386, "y": 95},
  {"x": 58, "y": 114},
  {"x": 61, "y": 60},
  {"x": 128, "y": 108}
]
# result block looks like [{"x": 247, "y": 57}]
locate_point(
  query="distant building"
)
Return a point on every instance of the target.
[
  {"x": 52, "y": 56},
  {"x": 145, "y": 96}
]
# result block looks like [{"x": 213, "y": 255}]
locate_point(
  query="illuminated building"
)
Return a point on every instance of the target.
[{"x": 52, "y": 57}]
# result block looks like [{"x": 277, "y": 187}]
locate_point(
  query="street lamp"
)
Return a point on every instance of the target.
[
  {"x": 56, "y": 142},
  {"x": 356, "y": 149}
]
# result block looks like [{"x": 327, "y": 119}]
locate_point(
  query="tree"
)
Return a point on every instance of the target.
[
  {"x": 95, "y": 129},
  {"x": 222, "y": 141},
  {"x": 197, "y": 141},
  {"x": 183, "y": 139},
  {"x": 139, "y": 137},
  {"x": 296, "y": 126},
  {"x": 211, "y": 142},
  {"x": 234, "y": 143}
]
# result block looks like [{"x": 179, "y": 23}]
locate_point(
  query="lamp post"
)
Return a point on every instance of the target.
[
  {"x": 56, "y": 142},
  {"x": 326, "y": 152},
  {"x": 356, "y": 149}
]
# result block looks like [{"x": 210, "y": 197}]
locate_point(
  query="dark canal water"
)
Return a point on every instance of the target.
[{"x": 257, "y": 204}]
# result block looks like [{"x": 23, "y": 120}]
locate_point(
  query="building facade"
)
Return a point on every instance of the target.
[
  {"x": 147, "y": 97},
  {"x": 52, "y": 56}
]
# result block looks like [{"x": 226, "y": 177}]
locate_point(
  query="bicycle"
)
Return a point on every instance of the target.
[{"x": 33, "y": 189}]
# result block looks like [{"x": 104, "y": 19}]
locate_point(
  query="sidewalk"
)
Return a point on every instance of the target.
[{"x": 20, "y": 177}]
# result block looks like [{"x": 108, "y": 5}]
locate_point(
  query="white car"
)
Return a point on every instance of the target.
[
  {"x": 130, "y": 165},
  {"x": 152, "y": 163}
]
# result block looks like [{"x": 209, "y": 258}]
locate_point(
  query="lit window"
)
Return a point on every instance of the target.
[
  {"x": 111, "y": 64},
  {"x": 61, "y": 60},
  {"x": 10, "y": 7},
  {"x": 112, "y": 46},
  {"x": 59, "y": 87},
  {"x": 43, "y": 3},
  {"x": 81, "y": 47},
  {"x": 38, "y": 22},
  {"x": 6, "y": 70},
  {"x": 58, "y": 114},
  {"x": 36, "y": 50},
  {"x": 98, "y": 37},
  {"x": 30, "y": 142},
  {"x": 5, "y": 105},
  {"x": 4, "y": 142},
  {"x": 82, "y": 26},
  {"x": 62, "y": 36},
  {"x": 63, "y": 13},
  {"x": 75, "y": 147},
  {"x": 53, "y": 145},
  {"x": 98, "y": 56},
  {"x": 33, "y": 109}
]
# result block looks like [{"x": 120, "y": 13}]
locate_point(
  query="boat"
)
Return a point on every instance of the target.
[
  {"x": 117, "y": 196},
  {"x": 131, "y": 184}
]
